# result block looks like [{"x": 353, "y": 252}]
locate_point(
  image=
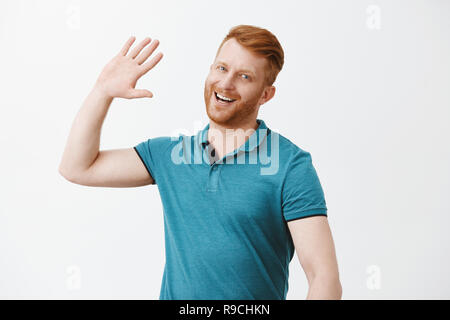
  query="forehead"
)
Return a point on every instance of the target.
[{"x": 237, "y": 56}]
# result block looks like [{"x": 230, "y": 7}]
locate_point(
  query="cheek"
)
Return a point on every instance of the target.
[
  {"x": 209, "y": 82},
  {"x": 214, "y": 77},
  {"x": 256, "y": 92},
  {"x": 248, "y": 94}
]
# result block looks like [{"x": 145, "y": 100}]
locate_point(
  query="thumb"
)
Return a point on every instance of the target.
[{"x": 140, "y": 93}]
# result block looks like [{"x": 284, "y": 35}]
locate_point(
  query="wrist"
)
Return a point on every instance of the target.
[{"x": 100, "y": 91}]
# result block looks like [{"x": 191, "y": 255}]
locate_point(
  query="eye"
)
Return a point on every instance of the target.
[
  {"x": 219, "y": 67},
  {"x": 247, "y": 77}
]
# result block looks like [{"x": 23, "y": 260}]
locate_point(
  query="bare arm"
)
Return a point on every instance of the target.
[
  {"x": 82, "y": 162},
  {"x": 315, "y": 250}
]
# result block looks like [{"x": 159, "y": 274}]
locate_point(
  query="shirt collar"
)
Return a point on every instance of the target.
[{"x": 252, "y": 142}]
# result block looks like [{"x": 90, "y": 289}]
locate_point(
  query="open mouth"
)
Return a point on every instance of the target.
[{"x": 223, "y": 100}]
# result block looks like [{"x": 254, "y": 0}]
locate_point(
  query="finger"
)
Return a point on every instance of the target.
[
  {"x": 127, "y": 45},
  {"x": 140, "y": 93},
  {"x": 140, "y": 59},
  {"x": 146, "y": 67},
  {"x": 139, "y": 47}
]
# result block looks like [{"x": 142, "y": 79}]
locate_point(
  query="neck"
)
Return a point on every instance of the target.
[{"x": 225, "y": 139}]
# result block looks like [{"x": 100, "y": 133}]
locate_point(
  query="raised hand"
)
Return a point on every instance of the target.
[{"x": 118, "y": 78}]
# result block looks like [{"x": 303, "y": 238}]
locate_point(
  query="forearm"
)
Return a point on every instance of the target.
[
  {"x": 117, "y": 79},
  {"x": 324, "y": 288},
  {"x": 83, "y": 142}
]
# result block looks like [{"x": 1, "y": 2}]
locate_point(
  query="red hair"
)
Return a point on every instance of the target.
[{"x": 262, "y": 43}]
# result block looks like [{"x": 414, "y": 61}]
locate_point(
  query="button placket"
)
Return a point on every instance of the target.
[{"x": 213, "y": 178}]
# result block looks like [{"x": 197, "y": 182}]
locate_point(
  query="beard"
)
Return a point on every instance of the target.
[{"x": 230, "y": 116}]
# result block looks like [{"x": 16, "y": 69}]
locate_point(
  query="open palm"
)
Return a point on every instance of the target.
[{"x": 118, "y": 78}]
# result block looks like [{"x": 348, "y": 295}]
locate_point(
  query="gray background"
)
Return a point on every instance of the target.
[{"x": 364, "y": 89}]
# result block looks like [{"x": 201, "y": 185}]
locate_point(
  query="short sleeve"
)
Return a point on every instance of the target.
[
  {"x": 152, "y": 153},
  {"x": 302, "y": 194}
]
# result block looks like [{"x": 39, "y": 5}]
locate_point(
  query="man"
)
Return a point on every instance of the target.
[{"x": 233, "y": 215}]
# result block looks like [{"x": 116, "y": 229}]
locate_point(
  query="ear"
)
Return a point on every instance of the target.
[{"x": 268, "y": 94}]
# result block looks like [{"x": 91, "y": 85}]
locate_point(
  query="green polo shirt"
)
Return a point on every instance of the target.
[{"x": 225, "y": 220}]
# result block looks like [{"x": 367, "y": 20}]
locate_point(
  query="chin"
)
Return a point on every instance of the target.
[
  {"x": 227, "y": 115},
  {"x": 218, "y": 114}
]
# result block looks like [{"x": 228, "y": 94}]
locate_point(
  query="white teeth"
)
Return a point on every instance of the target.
[{"x": 224, "y": 98}]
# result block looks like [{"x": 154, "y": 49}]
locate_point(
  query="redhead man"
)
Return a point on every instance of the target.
[{"x": 239, "y": 199}]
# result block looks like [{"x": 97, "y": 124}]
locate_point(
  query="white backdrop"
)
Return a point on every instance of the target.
[{"x": 365, "y": 89}]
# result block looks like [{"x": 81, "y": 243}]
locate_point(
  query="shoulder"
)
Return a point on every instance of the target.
[
  {"x": 158, "y": 148},
  {"x": 300, "y": 176},
  {"x": 163, "y": 143}
]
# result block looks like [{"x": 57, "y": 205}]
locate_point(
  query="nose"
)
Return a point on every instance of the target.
[{"x": 226, "y": 82}]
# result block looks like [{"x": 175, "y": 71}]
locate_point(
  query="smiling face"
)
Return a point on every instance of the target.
[{"x": 237, "y": 75}]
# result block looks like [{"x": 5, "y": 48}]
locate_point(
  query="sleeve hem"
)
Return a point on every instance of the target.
[
  {"x": 148, "y": 170},
  {"x": 312, "y": 215},
  {"x": 306, "y": 213}
]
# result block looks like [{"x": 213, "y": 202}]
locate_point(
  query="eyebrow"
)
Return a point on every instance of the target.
[{"x": 242, "y": 70}]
